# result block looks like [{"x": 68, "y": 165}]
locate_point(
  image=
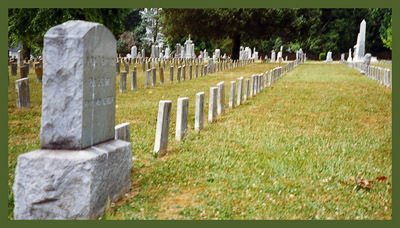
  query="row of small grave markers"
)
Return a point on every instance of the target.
[
  {"x": 151, "y": 74},
  {"x": 216, "y": 104},
  {"x": 22, "y": 85},
  {"x": 382, "y": 75}
]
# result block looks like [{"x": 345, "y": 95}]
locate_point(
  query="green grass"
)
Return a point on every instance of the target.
[
  {"x": 294, "y": 151},
  {"x": 386, "y": 66}
]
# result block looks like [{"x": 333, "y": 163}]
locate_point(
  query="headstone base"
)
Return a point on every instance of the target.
[{"x": 71, "y": 184}]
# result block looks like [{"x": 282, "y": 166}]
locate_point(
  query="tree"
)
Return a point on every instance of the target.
[
  {"x": 387, "y": 41},
  {"x": 314, "y": 30},
  {"x": 133, "y": 23},
  {"x": 150, "y": 21},
  {"x": 132, "y": 20},
  {"x": 28, "y": 26},
  {"x": 239, "y": 25}
]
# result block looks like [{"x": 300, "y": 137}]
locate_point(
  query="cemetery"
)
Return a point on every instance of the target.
[{"x": 181, "y": 132}]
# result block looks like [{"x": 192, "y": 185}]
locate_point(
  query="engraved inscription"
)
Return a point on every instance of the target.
[
  {"x": 99, "y": 82},
  {"x": 99, "y": 61},
  {"x": 98, "y": 102}
]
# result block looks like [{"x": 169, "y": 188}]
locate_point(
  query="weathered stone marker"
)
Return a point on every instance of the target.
[
  {"x": 196, "y": 71},
  {"x": 39, "y": 72},
  {"x": 126, "y": 67},
  {"x": 212, "y": 105},
  {"x": 88, "y": 166},
  {"x": 240, "y": 91},
  {"x": 23, "y": 96},
  {"x": 182, "y": 118},
  {"x": 122, "y": 82},
  {"x": 163, "y": 119},
  {"x": 246, "y": 89},
  {"x": 255, "y": 84},
  {"x": 118, "y": 67},
  {"x": 199, "y": 115},
  {"x": 161, "y": 76},
  {"x": 14, "y": 69},
  {"x": 134, "y": 79},
  {"x": 171, "y": 74},
  {"x": 122, "y": 132},
  {"x": 190, "y": 72},
  {"x": 147, "y": 79},
  {"x": 270, "y": 78},
  {"x": 183, "y": 73},
  {"x": 221, "y": 97},
  {"x": 252, "y": 85},
  {"x": 178, "y": 76},
  {"x": 24, "y": 71},
  {"x": 232, "y": 94},
  {"x": 154, "y": 77}
]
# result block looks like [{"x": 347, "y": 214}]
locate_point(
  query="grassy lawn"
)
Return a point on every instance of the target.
[
  {"x": 302, "y": 149},
  {"x": 386, "y": 66}
]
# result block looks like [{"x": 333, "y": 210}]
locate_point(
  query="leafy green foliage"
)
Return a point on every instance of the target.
[
  {"x": 314, "y": 30},
  {"x": 239, "y": 25},
  {"x": 28, "y": 26},
  {"x": 322, "y": 56},
  {"x": 122, "y": 47},
  {"x": 132, "y": 20},
  {"x": 387, "y": 40},
  {"x": 151, "y": 22}
]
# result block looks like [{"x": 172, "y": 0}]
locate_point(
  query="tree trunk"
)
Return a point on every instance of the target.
[{"x": 235, "y": 46}]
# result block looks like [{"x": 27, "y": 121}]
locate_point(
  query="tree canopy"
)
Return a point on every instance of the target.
[
  {"x": 28, "y": 26},
  {"x": 314, "y": 30}
]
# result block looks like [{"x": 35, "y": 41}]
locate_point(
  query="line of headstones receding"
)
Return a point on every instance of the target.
[
  {"x": 382, "y": 75},
  {"x": 179, "y": 63},
  {"x": 22, "y": 84},
  {"x": 386, "y": 62},
  {"x": 216, "y": 104}
]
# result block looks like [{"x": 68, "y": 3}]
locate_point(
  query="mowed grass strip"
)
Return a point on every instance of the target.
[
  {"x": 317, "y": 145},
  {"x": 295, "y": 151}
]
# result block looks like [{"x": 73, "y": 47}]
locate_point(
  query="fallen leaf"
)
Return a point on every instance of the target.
[
  {"x": 364, "y": 183},
  {"x": 381, "y": 178},
  {"x": 351, "y": 178},
  {"x": 343, "y": 183}
]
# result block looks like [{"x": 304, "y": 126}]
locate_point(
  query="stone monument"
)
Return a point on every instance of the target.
[
  {"x": 349, "y": 59},
  {"x": 134, "y": 52},
  {"x": 329, "y": 57},
  {"x": 359, "y": 48},
  {"x": 273, "y": 57},
  {"x": 79, "y": 165}
]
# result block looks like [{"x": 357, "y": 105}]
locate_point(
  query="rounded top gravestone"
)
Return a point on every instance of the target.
[{"x": 78, "y": 101}]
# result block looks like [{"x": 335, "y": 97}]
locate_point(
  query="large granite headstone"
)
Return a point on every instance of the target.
[
  {"x": 80, "y": 165},
  {"x": 81, "y": 112}
]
